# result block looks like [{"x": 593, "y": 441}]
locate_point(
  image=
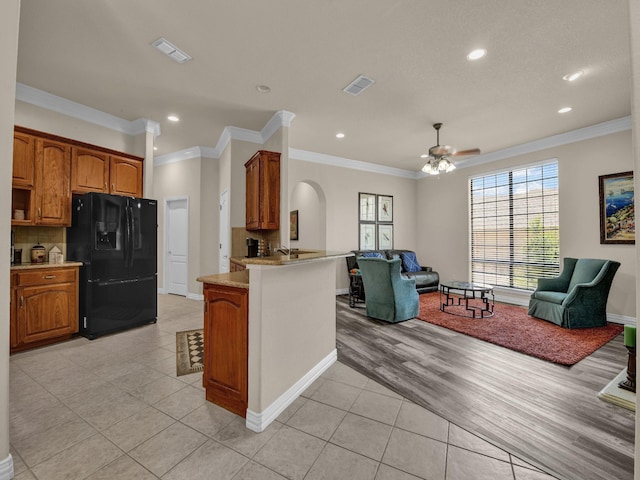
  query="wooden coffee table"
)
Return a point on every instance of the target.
[{"x": 463, "y": 292}]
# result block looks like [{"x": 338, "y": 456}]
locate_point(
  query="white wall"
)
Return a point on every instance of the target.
[
  {"x": 179, "y": 180},
  {"x": 341, "y": 187},
  {"x": 9, "y": 22},
  {"x": 442, "y": 219},
  {"x": 308, "y": 198}
]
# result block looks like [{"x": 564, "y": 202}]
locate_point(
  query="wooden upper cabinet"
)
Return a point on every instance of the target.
[
  {"x": 89, "y": 171},
  {"x": 125, "y": 175},
  {"x": 23, "y": 159},
  {"x": 263, "y": 191},
  {"x": 52, "y": 177}
]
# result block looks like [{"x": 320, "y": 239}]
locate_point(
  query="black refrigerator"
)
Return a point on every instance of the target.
[{"x": 115, "y": 238}]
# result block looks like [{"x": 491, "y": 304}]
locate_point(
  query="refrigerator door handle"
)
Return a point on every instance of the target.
[{"x": 129, "y": 243}]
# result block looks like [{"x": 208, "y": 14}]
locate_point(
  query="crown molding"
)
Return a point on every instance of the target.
[
  {"x": 581, "y": 134},
  {"x": 315, "y": 157},
  {"x": 51, "y": 102},
  {"x": 280, "y": 119}
]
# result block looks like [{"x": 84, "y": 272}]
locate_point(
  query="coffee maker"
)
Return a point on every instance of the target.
[{"x": 252, "y": 247}]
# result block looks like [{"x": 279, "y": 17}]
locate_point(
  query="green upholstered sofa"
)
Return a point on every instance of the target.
[
  {"x": 578, "y": 297},
  {"x": 390, "y": 296}
]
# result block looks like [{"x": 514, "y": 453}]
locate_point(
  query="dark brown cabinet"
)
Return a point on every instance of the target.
[
  {"x": 96, "y": 171},
  {"x": 40, "y": 185},
  {"x": 263, "y": 191},
  {"x": 44, "y": 306},
  {"x": 226, "y": 346}
]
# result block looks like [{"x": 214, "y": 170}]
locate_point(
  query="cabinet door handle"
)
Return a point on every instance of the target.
[
  {"x": 49, "y": 277},
  {"x": 113, "y": 187},
  {"x": 39, "y": 212},
  {"x": 105, "y": 186},
  {"x": 21, "y": 301}
]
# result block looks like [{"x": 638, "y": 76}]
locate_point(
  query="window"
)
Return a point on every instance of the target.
[{"x": 514, "y": 226}]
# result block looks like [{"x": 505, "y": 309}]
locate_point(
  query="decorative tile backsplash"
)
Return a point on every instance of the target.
[{"x": 49, "y": 237}]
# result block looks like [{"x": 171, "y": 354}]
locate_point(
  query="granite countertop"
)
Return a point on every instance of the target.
[
  {"x": 232, "y": 279},
  {"x": 300, "y": 256},
  {"x": 31, "y": 266}
]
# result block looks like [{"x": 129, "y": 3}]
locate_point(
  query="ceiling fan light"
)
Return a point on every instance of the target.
[{"x": 450, "y": 168}]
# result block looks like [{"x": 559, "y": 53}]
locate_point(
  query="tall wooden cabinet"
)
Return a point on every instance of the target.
[
  {"x": 263, "y": 191},
  {"x": 226, "y": 346},
  {"x": 44, "y": 306},
  {"x": 52, "y": 192},
  {"x": 40, "y": 186}
]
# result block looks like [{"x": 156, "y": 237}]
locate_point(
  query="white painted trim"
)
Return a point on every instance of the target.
[
  {"x": 48, "y": 101},
  {"x": 586, "y": 133},
  {"x": 258, "y": 421},
  {"x": 6, "y": 468},
  {"x": 195, "y": 296},
  {"x": 281, "y": 118},
  {"x": 621, "y": 319},
  {"x": 160, "y": 291},
  {"x": 342, "y": 291},
  {"x": 307, "y": 156}
]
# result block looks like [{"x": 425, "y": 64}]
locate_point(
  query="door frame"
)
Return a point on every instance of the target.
[{"x": 165, "y": 243}]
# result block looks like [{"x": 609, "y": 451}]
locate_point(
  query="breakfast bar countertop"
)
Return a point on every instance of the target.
[
  {"x": 297, "y": 256},
  {"x": 231, "y": 279}
]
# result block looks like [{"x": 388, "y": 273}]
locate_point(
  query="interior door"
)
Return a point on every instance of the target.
[
  {"x": 177, "y": 247},
  {"x": 224, "y": 232}
]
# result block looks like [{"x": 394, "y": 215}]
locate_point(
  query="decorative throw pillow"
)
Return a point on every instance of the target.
[
  {"x": 372, "y": 255},
  {"x": 410, "y": 262}
]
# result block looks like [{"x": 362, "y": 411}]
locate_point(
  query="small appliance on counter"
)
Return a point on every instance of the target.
[
  {"x": 252, "y": 247},
  {"x": 38, "y": 254}
]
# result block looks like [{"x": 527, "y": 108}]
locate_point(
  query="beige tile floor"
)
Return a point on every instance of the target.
[{"x": 113, "y": 408}]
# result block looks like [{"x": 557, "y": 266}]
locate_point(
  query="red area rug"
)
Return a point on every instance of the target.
[{"x": 513, "y": 328}]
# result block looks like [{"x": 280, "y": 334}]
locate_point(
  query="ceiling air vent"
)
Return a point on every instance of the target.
[
  {"x": 359, "y": 85},
  {"x": 171, "y": 50}
]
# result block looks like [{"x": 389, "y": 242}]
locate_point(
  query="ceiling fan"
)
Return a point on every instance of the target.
[{"x": 439, "y": 155}]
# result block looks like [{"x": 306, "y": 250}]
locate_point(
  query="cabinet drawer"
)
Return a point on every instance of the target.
[{"x": 46, "y": 276}]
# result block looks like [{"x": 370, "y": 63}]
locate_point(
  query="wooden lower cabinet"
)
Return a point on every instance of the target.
[
  {"x": 226, "y": 346},
  {"x": 44, "y": 306},
  {"x": 236, "y": 266}
]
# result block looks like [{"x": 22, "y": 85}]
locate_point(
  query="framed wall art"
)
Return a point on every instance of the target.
[
  {"x": 293, "y": 225},
  {"x": 375, "y": 221},
  {"x": 367, "y": 236},
  {"x": 385, "y": 208},
  {"x": 617, "y": 209},
  {"x": 385, "y": 237}
]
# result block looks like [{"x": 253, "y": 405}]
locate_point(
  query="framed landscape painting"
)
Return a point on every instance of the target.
[{"x": 617, "y": 208}]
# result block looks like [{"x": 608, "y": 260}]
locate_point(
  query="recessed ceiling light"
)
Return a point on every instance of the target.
[
  {"x": 170, "y": 50},
  {"x": 476, "y": 54},
  {"x": 155, "y": 148},
  {"x": 572, "y": 77},
  {"x": 340, "y": 135},
  {"x": 424, "y": 155},
  {"x": 263, "y": 88},
  {"x": 173, "y": 118},
  {"x": 565, "y": 110}
]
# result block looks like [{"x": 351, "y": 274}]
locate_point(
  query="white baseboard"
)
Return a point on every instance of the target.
[
  {"x": 160, "y": 291},
  {"x": 621, "y": 319},
  {"x": 6, "y": 468},
  {"x": 258, "y": 421},
  {"x": 342, "y": 291},
  {"x": 195, "y": 296}
]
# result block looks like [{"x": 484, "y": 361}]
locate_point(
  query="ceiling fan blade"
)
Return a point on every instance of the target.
[
  {"x": 461, "y": 153},
  {"x": 440, "y": 150}
]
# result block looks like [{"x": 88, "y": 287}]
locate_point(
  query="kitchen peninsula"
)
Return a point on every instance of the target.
[{"x": 270, "y": 331}]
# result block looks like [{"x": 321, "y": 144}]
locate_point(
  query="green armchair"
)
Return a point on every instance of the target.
[
  {"x": 390, "y": 296},
  {"x": 578, "y": 297}
]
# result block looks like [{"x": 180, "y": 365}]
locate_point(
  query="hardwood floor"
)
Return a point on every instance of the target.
[{"x": 548, "y": 415}]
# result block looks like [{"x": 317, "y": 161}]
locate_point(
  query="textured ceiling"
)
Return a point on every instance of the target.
[{"x": 99, "y": 54}]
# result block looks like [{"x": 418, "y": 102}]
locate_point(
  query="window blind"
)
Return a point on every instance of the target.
[{"x": 515, "y": 226}]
